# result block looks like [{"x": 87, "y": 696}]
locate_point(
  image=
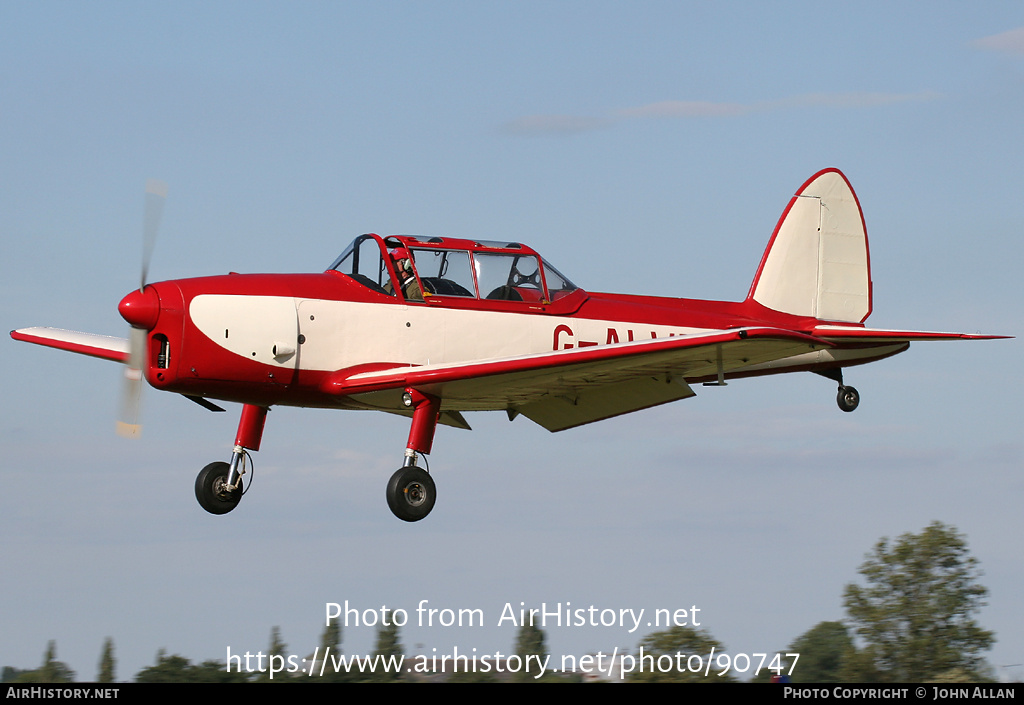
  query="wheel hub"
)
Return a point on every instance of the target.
[
  {"x": 220, "y": 489},
  {"x": 415, "y": 494}
]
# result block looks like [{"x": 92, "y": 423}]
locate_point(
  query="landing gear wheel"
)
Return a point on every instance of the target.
[
  {"x": 411, "y": 493},
  {"x": 211, "y": 492},
  {"x": 848, "y": 398}
]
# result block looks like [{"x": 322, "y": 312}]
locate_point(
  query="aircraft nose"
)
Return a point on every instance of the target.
[{"x": 141, "y": 308}]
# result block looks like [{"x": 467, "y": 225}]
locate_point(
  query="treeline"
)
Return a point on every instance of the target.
[{"x": 912, "y": 621}]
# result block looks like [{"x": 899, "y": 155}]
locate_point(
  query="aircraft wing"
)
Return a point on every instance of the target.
[
  {"x": 883, "y": 335},
  {"x": 567, "y": 388},
  {"x": 102, "y": 346}
]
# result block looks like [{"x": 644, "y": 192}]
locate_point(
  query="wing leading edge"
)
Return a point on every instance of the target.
[{"x": 567, "y": 388}]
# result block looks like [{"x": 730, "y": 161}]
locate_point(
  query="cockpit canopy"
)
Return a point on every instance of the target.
[{"x": 450, "y": 267}]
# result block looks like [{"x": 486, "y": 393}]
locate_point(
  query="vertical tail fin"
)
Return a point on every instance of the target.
[{"x": 817, "y": 262}]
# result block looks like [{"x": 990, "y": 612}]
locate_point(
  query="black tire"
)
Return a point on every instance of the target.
[
  {"x": 848, "y": 398},
  {"x": 411, "y": 493},
  {"x": 210, "y": 492}
]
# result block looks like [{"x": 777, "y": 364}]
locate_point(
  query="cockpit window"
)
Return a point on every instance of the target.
[
  {"x": 509, "y": 277},
  {"x": 362, "y": 261},
  {"x": 444, "y": 272},
  {"x": 558, "y": 286}
]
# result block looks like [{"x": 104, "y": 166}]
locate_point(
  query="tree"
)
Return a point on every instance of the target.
[
  {"x": 823, "y": 651},
  {"x": 388, "y": 652},
  {"x": 10, "y": 674},
  {"x": 178, "y": 669},
  {"x": 672, "y": 656},
  {"x": 167, "y": 669},
  {"x": 106, "y": 674},
  {"x": 530, "y": 641},
  {"x": 52, "y": 670},
  {"x": 916, "y": 614},
  {"x": 276, "y": 659},
  {"x": 330, "y": 640},
  {"x": 212, "y": 671},
  {"x": 330, "y": 649}
]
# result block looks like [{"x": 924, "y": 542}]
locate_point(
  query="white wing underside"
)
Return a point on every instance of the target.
[{"x": 568, "y": 388}]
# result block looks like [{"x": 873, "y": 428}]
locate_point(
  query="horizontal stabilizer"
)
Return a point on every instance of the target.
[{"x": 883, "y": 335}]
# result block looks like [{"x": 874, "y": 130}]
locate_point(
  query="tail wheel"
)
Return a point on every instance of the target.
[{"x": 411, "y": 493}]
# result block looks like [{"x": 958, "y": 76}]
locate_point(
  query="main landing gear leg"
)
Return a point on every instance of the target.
[
  {"x": 411, "y": 490},
  {"x": 848, "y": 398},
  {"x": 219, "y": 485}
]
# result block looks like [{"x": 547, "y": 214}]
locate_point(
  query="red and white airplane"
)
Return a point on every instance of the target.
[{"x": 432, "y": 327}]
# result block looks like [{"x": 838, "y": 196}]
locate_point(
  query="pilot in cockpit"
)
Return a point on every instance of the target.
[{"x": 402, "y": 260}]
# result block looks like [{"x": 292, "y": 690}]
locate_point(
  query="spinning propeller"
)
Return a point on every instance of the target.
[{"x": 140, "y": 309}]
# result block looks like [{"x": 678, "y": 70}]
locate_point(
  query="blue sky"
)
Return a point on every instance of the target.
[{"x": 613, "y": 138}]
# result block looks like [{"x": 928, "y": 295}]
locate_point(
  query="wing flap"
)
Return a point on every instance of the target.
[
  {"x": 586, "y": 404},
  {"x": 102, "y": 346}
]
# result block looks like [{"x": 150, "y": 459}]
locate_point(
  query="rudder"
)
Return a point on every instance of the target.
[{"x": 817, "y": 263}]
